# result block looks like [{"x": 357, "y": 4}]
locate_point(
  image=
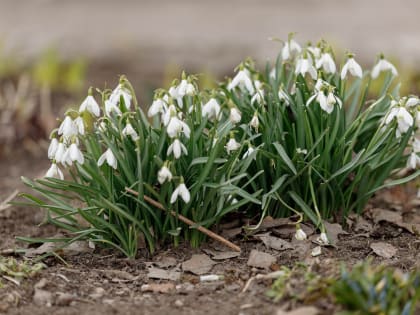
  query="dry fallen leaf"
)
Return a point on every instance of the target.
[
  {"x": 333, "y": 230},
  {"x": 158, "y": 287},
  {"x": 42, "y": 297},
  {"x": 157, "y": 273},
  {"x": 216, "y": 255},
  {"x": 393, "y": 217},
  {"x": 274, "y": 242},
  {"x": 383, "y": 249},
  {"x": 198, "y": 264},
  {"x": 260, "y": 259}
]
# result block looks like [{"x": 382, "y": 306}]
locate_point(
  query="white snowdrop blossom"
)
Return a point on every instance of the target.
[
  {"x": 255, "y": 123},
  {"x": 243, "y": 80},
  {"x": 232, "y": 145},
  {"x": 176, "y": 126},
  {"x": 412, "y": 101},
  {"x": 383, "y": 65},
  {"x": 326, "y": 101},
  {"x": 182, "y": 191},
  {"x": 79, "y": 123},
  {"x": 303, "y": 66},
  {"x": 129, "y": 131},
  {"x": 323, "y": 239},
  {"x": 110, "y": 159},
  {"x": 121, "y": 91},
  {"x": 353, "y": 67},
  {"x": 413, "y": 161},
  {"x": 291, "y": 48},
  {"x": 326, "y": 62},
  {"x": 259, "y": 93},
  {"x": 52, "y": 148},
  {"x": 75, "y": 154},
  {"x": 90, "y": 105},
  {"x": 235, "y": 115},
  {"x": 300, "y": 235},
  {"x": 54, "y": 172},
  {"x": 315, "y": 51},
  {"x": 177, "y": 148},
  {"x": 185, "y": 88},
  {"x": 248, "y": 152},
  {"x": 158, "y": 107},
  {"x": 111, "y": 107},
  {"x": 211, "y": 109},
  {"x": 59, "y": 153},
  {"x": 164, "y": 174},
  {"x": 403, "y": 117},
  {"x": 68, "y": 128}
]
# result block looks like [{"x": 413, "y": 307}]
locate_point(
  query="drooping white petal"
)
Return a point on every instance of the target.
[
  {"x": 54, "y": 172},
  {"x": 59, "y": 153},
  {"x": 405, "y": 120},
  {"x": 413, "y": 161},
  {"x": 300, "y": 235},
  {"x": 353, "y": 67},
  {"x": 80, "y": 125},
  {"x": 90, "y": 105},
  {"x": 75, "y": 154},
  {"x": 112, "y": 107},
  {"x": 235, "y": 115},
  {"x": 412, "y": 101},
  {"x": 326, "y": 62},
  {"x": 121, "y": 91},
  {"x": 243, "y": 80},
  {"x": 211, "y": 109},
  {"x": 255, "y": 123},
  {"x": 52, "y": 148},
  {"x": 383, "y": 65},
  {"x": 158, "y": 106},
  {"x": 129, "y": 131},
  {"x": 232, "y": 145},
  {"x": 67, "y": 128},
  {"x": 164, "y": 174},
  {"x": 109, "y": 157}
]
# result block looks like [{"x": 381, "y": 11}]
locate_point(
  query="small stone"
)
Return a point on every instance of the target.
[
  {"x": 179, "y": 303},
  {"x": 260, "y": 259}
]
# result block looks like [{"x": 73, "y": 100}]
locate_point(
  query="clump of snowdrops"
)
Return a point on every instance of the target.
[{"x": 300, "y": 138}]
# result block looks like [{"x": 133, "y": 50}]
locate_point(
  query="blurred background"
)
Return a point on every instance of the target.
[{"x": 51, "y": 51}]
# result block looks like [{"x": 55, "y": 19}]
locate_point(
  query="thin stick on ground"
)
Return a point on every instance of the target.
[{"x": 187, "y": 221}]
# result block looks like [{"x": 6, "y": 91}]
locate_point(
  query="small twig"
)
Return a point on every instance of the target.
[
  {"x": 5, "y": 204},
  {"x": 271, "y": 275},
  {"x": 188, "y": 221}
]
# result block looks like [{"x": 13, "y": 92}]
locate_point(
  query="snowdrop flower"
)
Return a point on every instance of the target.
[
  {"x": 109, "y": 157},
  {"x": 301, "y": 151},
  {"x": 164, "y": 175},
  {"x": 303, "y": 66},
  {"x": 59, "y": 153},
  {"x": 129, "y": 131},
  {"x": 353, "y": 67},
  {"x": 90, "y": 105},
  {"x": 315, "y": 51},
  {"x": 232, "y": 145},
  {"x": 412, "y": 101},
  {"x": 182, "y": 191},
  {"x": 166, "y": 115},
  {"x": 404, "y": 118},
  {"x": 248, "y": 152},
  {"x": 52, "y": 148},
  {"x": 327, "y": 63},
  {"x": 383, "y": 65},
  {"x": 121, "y": 91},
  {"x": 291, "y": 48},
  {"x": 283, "y": 96},
  {"x": 413, "y": 161},
  {"x": 177, "y": 148},
  {"x": 243, "y": 80},
  {"x": 67, "y": 128},
  {"x": 54, "y": 172},
  {"x": 173, "y": 92},
  {"x": 326, "y": 102},
  {"x": 158, "y": 106},
  {"x": 185, "y": 88},
  {"x": 75, "y": 154},
  {"x": 211, "y": 109},
  {"x": 112, "y": 107},
  {"x": 255, "y": 123},
  {"x": 323, "y": 239},
  {"x": 235, "y": 115},
  {"x": 79, "y": 123},
  {"x": 259, "y": 93},
  {"x": 175, "y": 126},
  {"x": 300, "y": 235}
]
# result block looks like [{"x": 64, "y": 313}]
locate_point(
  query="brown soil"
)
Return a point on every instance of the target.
[{"x": 104, "y": 282}]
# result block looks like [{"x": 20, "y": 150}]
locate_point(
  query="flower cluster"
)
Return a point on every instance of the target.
[{"x": 301, "y": 138}]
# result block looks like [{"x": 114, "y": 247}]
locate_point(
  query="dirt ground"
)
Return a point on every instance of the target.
[{"x": 104, "y": 282}]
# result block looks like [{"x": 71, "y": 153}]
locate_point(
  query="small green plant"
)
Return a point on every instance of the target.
[
  {"x": 300, "y": 137},
  {"x": 368, "y": 289},
  {"x": 18, "y": 270}
]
